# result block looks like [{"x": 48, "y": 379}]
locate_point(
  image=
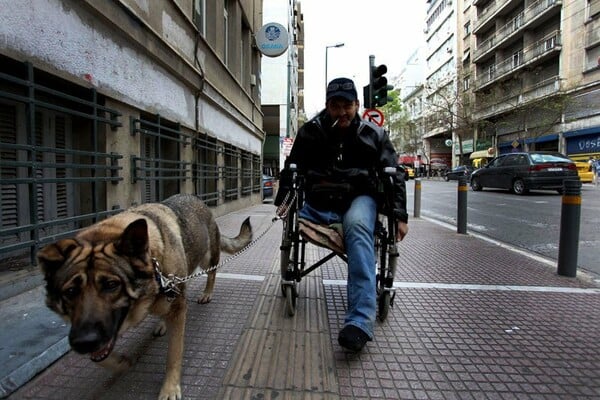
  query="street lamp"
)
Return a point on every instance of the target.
[{"x": 326, "y": 49}]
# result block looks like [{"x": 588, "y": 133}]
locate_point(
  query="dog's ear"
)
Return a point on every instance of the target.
[
  {"x": 134, "y": 240},
  {"x": 52, "y": 256}
]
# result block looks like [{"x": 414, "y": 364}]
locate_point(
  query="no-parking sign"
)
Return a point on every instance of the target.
[{"x": 373, "y": 115}]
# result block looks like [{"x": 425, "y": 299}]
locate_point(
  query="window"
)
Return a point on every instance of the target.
[
  {"x": 467, "y": 28},
  {"x": 593, "y": 8},
  {"x": 206, "y": 169},
  {"x": 517, "y": 58},
  {"x": 491, "y": 72},
  {"x": 225, "y": 35},
  {"x": 550, "y": 43},
  {"x": 231, "y": 171},
  {"x": 245, "y": 55},
  {"x": 159, "y": 166},
  {"x": 200, "y": 16},
  {"x": 592, "y": 58},
  {"x": 466, "y": 83}
]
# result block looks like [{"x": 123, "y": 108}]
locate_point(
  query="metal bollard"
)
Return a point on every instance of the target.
[
  {"x": 417, "y": 207},
  {"x": 568, "y": 245},
  {"x": 461, "y": 217}
]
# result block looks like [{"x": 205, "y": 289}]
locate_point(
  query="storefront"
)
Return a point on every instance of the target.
[
  {"x": 541, "y": 143},
  {"x": 583, "y": 144}
]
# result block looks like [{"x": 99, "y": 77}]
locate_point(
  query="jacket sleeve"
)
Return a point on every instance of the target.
[{"x": 389, "y": 158}]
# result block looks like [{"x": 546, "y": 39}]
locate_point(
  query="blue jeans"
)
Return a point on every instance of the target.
[{"x": 359, "y": 239}]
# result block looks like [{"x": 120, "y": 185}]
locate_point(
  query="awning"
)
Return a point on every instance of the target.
[
  {"x": 480, "y": 154},
  {"x": 541, "y": 139}
]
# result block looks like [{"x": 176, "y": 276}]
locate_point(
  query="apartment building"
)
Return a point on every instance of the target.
[
  {"x": 537, "y": 68},
  {"x": 107, "y": 104},
  {"x": 282, "y": 84},
  {"x": 441, "y": 105}
]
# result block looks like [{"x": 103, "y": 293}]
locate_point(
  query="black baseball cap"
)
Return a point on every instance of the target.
[{"x": 342, "y": 87}]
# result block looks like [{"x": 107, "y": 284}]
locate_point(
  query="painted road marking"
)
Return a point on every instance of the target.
[{"x": 460, "y": 286}]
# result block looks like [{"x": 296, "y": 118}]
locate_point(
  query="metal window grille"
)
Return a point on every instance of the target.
[
  {"x": 247, "y": 173},
  {"x": 159, "y": 164},
  {"x": 206, "y": 169},
  {"x": 53, "y": 174},
  {"x": 256, "y": 173},
  {"x": 231, "y": 172}
]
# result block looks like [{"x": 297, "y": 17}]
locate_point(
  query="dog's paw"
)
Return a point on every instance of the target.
[
  {"x": 160, "y": 329},
  {"x": 170, "y": 392},
  {"x": 205, "y": 298}
]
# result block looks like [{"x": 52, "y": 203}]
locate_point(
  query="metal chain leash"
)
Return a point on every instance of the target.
[
  {"x": 169, "y": 284},
  {"x": 284, "y": 208}
]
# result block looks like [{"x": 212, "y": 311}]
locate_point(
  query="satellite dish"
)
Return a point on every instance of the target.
[{"x": 448, "y": 142}]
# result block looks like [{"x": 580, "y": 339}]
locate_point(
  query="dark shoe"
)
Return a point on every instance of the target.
[{"x": 353, "y": 338}]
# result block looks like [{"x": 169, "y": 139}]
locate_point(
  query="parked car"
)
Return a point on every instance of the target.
[
  {"x": 521, "y": 172},
  {"x": 267, "y": 186},
  {"x": 584, "y": 169},
  {"x": 457, "y": 172}
]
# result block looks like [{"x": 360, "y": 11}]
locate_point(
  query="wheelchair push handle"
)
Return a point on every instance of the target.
[{"x": 390, "y": 171}]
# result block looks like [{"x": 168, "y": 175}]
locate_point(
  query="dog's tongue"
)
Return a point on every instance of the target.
[{"x": 101, "y": 354}]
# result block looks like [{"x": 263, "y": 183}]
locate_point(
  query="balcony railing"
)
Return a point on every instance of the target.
[
  {"x": 521, "y": 20},
  {"x": 546, "y": 45},
  {"x": 535, "y": 92},
  {"x": 486, "y": 13}
]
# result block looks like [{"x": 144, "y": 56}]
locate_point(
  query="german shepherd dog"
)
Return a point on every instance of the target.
[{"x": 106, "y": 278}]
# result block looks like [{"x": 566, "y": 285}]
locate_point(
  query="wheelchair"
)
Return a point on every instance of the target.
[{"x": 292, "y": 250}]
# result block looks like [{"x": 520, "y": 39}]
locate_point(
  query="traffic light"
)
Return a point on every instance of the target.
[
  {"x": 375, "y": 94},
  {"x": 379, "y": 86}
]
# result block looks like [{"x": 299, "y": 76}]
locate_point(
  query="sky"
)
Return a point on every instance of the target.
[{"x": 388, "y": 29}]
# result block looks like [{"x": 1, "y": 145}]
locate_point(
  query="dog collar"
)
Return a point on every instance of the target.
[{"x": 167, "y": 285}]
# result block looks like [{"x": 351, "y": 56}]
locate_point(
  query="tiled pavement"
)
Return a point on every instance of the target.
[{"x": 471, "y": 320}]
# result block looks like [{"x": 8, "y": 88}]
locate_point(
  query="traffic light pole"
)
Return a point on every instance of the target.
[{"x": 371, "y": 68}]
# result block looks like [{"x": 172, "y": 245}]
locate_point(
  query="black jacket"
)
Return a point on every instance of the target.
[{"x": 353, "y": 161}]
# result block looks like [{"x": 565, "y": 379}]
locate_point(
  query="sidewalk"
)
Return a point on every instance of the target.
[{"x": 471, "y": 320}]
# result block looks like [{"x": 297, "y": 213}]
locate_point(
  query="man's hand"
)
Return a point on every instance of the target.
[{"x": 402, "y": 230}]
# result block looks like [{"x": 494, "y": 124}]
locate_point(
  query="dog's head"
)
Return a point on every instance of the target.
[{"x": 93, "y": 279}]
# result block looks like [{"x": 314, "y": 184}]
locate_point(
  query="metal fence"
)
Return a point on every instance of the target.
[{"x": 55, "y": 172}]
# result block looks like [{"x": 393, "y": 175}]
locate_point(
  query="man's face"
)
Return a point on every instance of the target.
[{"x": 341, "y": 110}]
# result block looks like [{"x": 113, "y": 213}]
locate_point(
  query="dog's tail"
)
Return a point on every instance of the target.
[{"x": 233, "y": 245}]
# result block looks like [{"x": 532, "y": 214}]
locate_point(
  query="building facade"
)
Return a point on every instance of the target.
[
  {"x": 440, "y": 85},
  {"x": 537, "y": 66},
  {"x": 517, "y": 75},
  {"x": 283, "y": 84},
  {"x": 104, "y": 105}
]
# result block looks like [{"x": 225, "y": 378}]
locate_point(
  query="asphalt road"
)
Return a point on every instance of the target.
[{"x": 531, "y": 222}]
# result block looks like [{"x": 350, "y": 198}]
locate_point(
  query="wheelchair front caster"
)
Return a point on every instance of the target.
[
  {"x": 384, "y": 302},
  {"x": 290, "y": 294}
]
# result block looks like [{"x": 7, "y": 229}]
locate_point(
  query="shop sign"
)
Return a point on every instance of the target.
[{"x": 272, "y": 39}]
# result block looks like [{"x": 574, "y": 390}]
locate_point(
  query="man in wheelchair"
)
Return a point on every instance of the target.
[{"x": 340, "y": 155}]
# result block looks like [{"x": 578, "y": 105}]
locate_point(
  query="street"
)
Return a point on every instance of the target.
[{"x": 531, "y": 222}]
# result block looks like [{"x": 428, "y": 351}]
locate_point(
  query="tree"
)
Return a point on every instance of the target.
[
  {"x": 526, "y": 110},
  {"x": 398, "y": 124},
  {"x": 451, "y": 110}
]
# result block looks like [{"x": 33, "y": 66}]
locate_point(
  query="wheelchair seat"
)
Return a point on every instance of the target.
[{"x": 328, "y": 236}]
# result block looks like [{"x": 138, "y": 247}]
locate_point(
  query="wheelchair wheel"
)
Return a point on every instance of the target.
[
  {"x": 286, "y": 245},
  {"x": 383, "y": 306},
  {"x": 290, "y": 294}
]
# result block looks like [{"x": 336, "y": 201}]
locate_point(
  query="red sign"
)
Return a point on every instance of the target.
[{"x": 373, "y": 115}]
